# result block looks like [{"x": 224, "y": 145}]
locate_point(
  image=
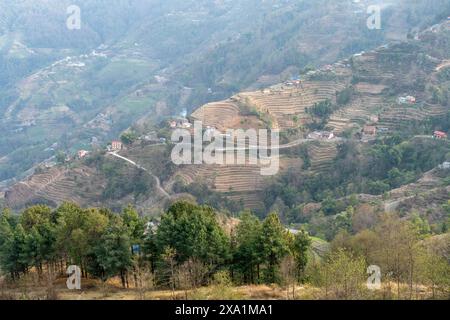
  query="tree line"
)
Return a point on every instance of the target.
[
  {"x": 189, "y": 240},
  {"x": 193, "y": 246}
]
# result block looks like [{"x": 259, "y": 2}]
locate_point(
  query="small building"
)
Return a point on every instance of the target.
[
  {"x": 370, "y": 130},
  {"x": 50, "y": 164},
  {"x": 150, "y": 137},
  {"x": 374, "y": 118},
  {"x": 445, "y": 165},
  {"x": 439, "y": 135},
  {"x": 321, "y": 135},
  {"x": 186, "y": 125},
  {"x": 151, "y": 227},
  {"x": 406, "y": 100},
  {"x": 180, "y": 123},
  {"x": 82, "y": 154},
  {"x": 116, "y": 145}
]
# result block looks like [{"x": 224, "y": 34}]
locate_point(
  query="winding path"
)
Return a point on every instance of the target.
[{"x": 158, "y": 182}]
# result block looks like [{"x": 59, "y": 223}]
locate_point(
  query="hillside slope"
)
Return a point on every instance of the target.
[
  {"x": 374, "y": 81},
  {"x": 141, "y": 61}
]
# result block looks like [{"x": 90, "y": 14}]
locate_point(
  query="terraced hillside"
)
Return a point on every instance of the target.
[
  {"x": 322, "y": 155},
  {"x": 426, "y": 196},
  {"x": 363, "y": 109},
  {"x": 374, "y": 81},
  {"x": 56, "y": 186},
  {"x": 399, "y": 116},
  {"x": 221, "y": 115},
  {"x": 367, "y": 102},
  {"x": 240, "y": 183},
  {"x": 287, "y": 104}
]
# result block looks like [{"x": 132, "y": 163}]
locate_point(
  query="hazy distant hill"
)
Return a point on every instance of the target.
[
  {"x": 390, "y": 170},
  {"x": 201, "y": 51}
]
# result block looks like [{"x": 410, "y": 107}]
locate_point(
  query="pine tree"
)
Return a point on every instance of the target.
[
  {"x": 78, "y": 231},
  {"x": 194, "y": 233},
  {"x": 300, "y": 247},
  {"x": 247, "y": 258},
  {"x": 111, "y": 255},
  {"x": 14, "y": 253},
  {"x": 134, "y": 224},
  {"x": 273, "y": 246}
]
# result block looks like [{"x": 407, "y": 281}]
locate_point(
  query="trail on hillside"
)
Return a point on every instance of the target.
[
  {"x": 158, "y": 182},
  {"x": 444, "y": 64}
]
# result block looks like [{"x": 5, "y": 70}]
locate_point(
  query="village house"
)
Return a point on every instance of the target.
[
  {"x": 321, "y": 135},
  {"x": 186, "y": 124},
  {"x": 150, "y": 137},
  {"x": 172, "y": 124},
  {"x": 406, "y": 100},
  {"x": 439, "y": 135},
  {"x": 116, "y": 145},
  {"x": 370, "y": 130},
  {"x": 374, "y": 118},
  {"x": 150, "y": 227},
  {"x": 82, "y": 154},
  {"x": 445, "y": 165},
  {"x": 49, "y": 164},
  {"x": 180, "y": 123}
]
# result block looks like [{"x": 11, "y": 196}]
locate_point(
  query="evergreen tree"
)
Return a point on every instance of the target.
[
  {"x": 299, "y": 250},
  {"x": 134, "y": 224},
  {"x": 78, "y": 231},
  {"x": 247, "y": 257},
  {"x": 14, "y": 254},
  {"x": 111, "y": 255},
  {"x": 194, "y": 233},
  {"x": 273, "y": 246}
]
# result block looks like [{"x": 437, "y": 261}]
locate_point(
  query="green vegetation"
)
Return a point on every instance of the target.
[
  {"x": 118, "y": 82},
  {"x": 386, "y": 164},
  {"x": 322, "y": 111},
  {"x": 188, "y": 236},
  {"x": 343, "y": 97},
  {"x": 204, "y": 195},
  {"x": 121, "y": 180},
  {"x": 189, "y": 249},
  {"x": 128, "y": 137}
]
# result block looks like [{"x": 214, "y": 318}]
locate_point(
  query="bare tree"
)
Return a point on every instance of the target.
[
  {"x": 145, "y": 280},
  {"x": 289, "y": 276},
  {"x": 169, "y": 258}
]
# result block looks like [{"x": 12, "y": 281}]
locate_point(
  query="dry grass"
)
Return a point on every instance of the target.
[{"x": 112, "y": 290}]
